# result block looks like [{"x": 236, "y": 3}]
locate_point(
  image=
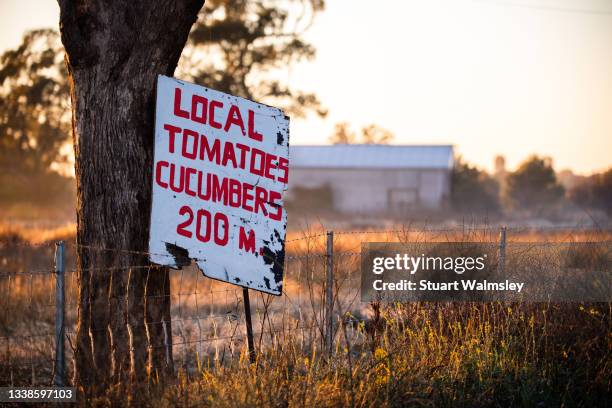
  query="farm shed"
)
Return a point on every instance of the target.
[{"x": 371, "y": 179}]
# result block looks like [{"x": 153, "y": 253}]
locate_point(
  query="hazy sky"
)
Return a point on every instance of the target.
[{"x": 490, "y": 76}]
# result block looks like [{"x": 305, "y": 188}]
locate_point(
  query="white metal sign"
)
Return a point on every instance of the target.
[{"x": 220, "y": 169}]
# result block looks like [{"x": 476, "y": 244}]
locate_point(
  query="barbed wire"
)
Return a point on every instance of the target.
[
  {"x": 310, "y": 255},
  {"x": 408, "y": 229},
  {"x": 25, "y": 243}
]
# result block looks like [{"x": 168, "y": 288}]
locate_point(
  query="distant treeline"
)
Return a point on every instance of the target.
[{"x": 533, "y": 189}]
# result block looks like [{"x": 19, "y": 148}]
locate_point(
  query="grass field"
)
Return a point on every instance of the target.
[{"x": 413, "y": 354}]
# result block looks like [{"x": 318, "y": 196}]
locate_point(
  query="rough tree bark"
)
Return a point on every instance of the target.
[{"x": 114, "y": 51}]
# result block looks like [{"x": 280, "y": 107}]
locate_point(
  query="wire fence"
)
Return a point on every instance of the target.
[{"x": 207, "y": 317}]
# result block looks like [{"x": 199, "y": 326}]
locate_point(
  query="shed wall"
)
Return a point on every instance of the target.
[{"x": 377, "y": 190}]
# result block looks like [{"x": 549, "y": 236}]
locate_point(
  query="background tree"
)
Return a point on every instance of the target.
[
  {"x": 473, "y": 190},
  {"x": 533, "y": 186},
  {"x": 241, "y": 47},
  {"x": 371, "y": 134},
  {"x": 374, "y": 134},
  {"x": 595, "y": 192},
  {"x": 114, "y": 53},
  {"x": 343, "y": 134},
  {"x": 244, "y": 46},
  {"x": 34, "y": 121}
]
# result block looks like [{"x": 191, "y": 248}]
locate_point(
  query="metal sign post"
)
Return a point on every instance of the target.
[
  {"x": 59, "y": 313},
  {"x": 249, "y": 324},
  {"x": 329, "y": 295}
]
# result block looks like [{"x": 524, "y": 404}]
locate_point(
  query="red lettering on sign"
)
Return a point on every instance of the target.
[
  {"x": 270, "y": 164},
  {"x": 234, "y": 118},
  {"x": 221, "y": 225},
  {"x": 225, "y": 190},
  {"x": 244, "y": 149},
  {"x": 203, "y": 111},
  {"x": 235, "y": 193},
  {"x": 206, "y": 195},
  {"x": 213, "y": 153},
  {"x": 229, "y": 155},
  {"x": 219, "y": 189},
  {"x": 199, "y": 103},
  {"x": 254, "y": 154},
  {"x": 274, "y": 197},
  {"x": 194, "y": 137},
  {"x": 173, "y": 186},
  {"x": 197, "y": 146},
  {"x": 181, "y": 228},
  {"x": 160, "y": 164},
  {"x": 247, "y": 195},
  {"x": 253, "y": 134},
  {"x": 283, "y": 166},
  {"x": 261, "y": 197},
  {"x": 177, "y": 105},
  {"x": 207, "y": 223},
  {"x": 246, "y": 243},
  {"x": 211, "y": 119},
  {"x": 172, "y": 131},
  {"x": 188, "y": 173}
]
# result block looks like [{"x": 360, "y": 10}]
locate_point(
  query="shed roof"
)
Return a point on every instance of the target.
[{"x": 372, "y": 156}]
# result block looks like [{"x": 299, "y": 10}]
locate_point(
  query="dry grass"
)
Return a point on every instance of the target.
[
  {"x": 36, "y": 233},
  {"x": 416, "y": 354},
  {"x": 427, "y": 355}
]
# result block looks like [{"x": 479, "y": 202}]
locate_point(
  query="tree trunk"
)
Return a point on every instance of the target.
[{"x": 114, "y": 52}]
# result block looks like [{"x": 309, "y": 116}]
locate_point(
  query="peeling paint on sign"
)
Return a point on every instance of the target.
[{"x": 219, "y": 174}]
